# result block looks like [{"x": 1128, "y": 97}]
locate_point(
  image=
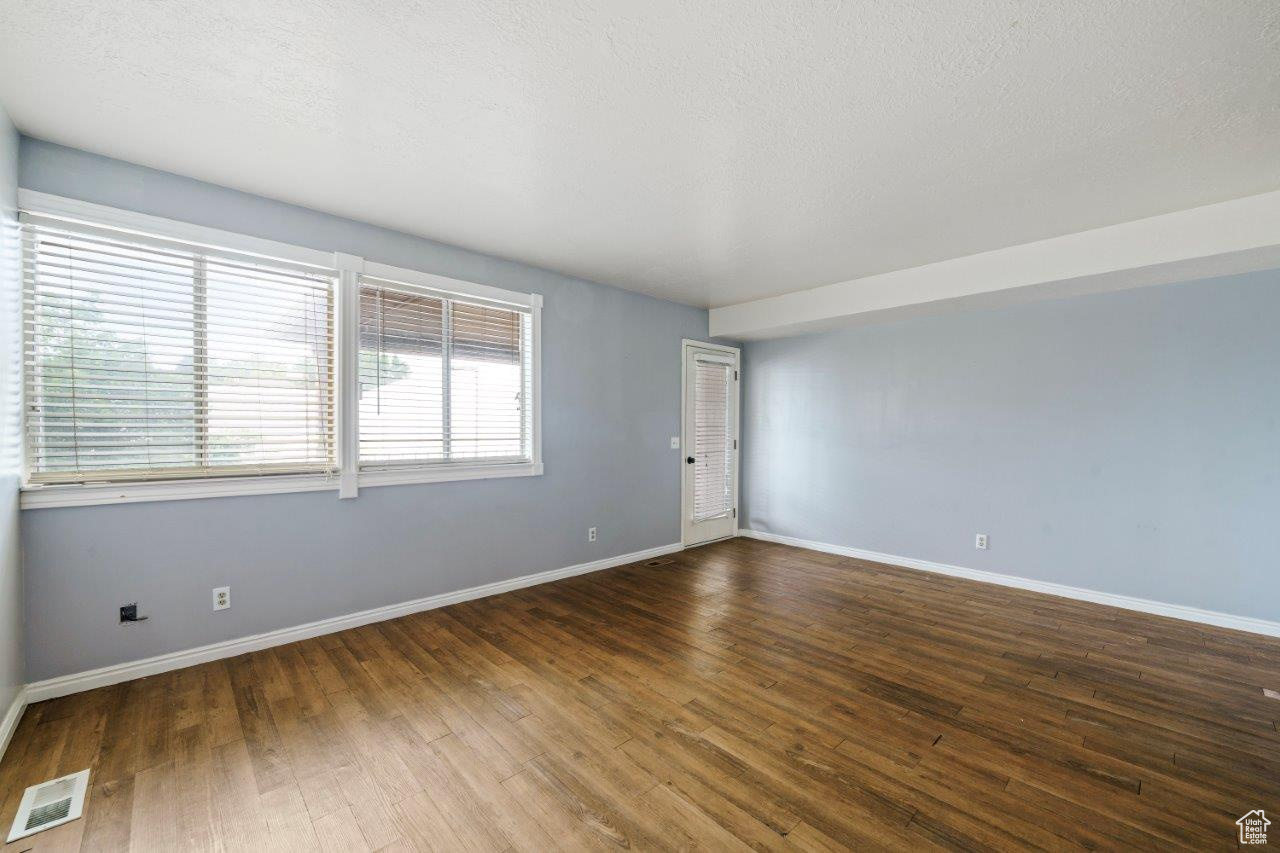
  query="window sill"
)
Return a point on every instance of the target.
[
  {"x": 91, "y": 494},
  {"x": 448, "y": 473},
  {"x": 78, "y": 494}
]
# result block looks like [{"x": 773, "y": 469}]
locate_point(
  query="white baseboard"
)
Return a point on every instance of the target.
[
  {"x": 1159, "y": 608},
  {"x": 11, "y": 717},
  {"x": 107, "y": 675}
]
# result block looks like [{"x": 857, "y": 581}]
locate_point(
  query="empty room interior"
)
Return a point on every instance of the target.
[{"x": 492, "y": 426}]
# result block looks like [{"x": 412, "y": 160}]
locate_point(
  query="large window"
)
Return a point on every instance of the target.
[
  {"x": 163, "y": 360},
  {"x": 442, "y": 379},
  {"x": 147, "y": 359}
]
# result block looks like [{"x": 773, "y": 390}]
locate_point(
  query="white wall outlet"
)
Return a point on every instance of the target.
[
  {"x": 222, "y": 598},
  {"x": 980, "y": 541},
  {"x": 675, "y": 442},
  {"x": 591, "y": 534}
]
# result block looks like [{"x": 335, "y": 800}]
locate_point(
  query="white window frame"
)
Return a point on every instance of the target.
[
  {"x": 348, "y": 479},
  {"x": 350, "y": 269}
]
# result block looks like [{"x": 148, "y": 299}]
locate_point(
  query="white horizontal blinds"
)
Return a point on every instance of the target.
[
  {"x": 712, "y": 473},
  {"x": 151, "y": 359},
  {"x": 401, "y": 376},
  {"x": 442, "y": 379},
  {"x": 488, "y": 382}
]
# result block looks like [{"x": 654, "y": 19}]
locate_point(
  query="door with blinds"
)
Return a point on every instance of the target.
[{"x": 710, "y": 442}]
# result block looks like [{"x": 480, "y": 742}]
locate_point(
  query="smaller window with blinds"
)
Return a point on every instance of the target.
[
  {"x": 153, "y": 359},
  {"x": 444, "y": 379}
]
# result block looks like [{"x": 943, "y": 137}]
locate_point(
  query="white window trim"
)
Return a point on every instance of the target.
[
  {"x": 448, "y": 472},
  {"x": 348, "y": 479},
  {"x": 126, "y": 220},
  {"x": 350, "y": 269},
  {"x": 434, "y": 285},
  {"x": 92, "y": 494}
]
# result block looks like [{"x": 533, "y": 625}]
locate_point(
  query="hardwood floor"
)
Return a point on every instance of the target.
[{"x": 742, "y": 694}]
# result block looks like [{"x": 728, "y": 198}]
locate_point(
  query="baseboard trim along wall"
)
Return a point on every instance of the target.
[
  {"x": 1159, "y": 608},
  {"x": 9, "y": 724},
  {"x": 77, "y": 682}
]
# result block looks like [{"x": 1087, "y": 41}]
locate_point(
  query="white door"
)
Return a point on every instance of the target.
[{"x": 709, "y": 502}]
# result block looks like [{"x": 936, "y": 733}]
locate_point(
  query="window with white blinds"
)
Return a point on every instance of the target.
[
  {"x": 443, "y": 378},
  {"x": 713, "y": 472},
  {"x": 151, "y": 359}
]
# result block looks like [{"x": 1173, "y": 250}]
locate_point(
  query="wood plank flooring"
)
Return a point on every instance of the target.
[{"x": 742, "y": 694}]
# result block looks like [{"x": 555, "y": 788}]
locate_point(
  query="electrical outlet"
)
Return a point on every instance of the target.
[
  {"x": 980, "y": 541},
  {"x": 222, "y": 598},
  {"x": 675, "y": 442},
  {"x": 591, "y": 534}
]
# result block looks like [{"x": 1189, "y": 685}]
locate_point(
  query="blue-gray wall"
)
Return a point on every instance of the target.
[
  {"x": 1127, "y": 443},
  {"x": 11, "y": 666},
  {"x": 611, "y": 402}
]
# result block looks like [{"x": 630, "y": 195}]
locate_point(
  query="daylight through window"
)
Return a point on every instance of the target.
[
  {"x": 442, "y": 378},
  {"x": 149, "y": 359}
]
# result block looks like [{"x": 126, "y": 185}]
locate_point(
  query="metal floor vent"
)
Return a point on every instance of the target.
[
  {"x": 50, "y": 804},
  {"x": 659, "y": 562}
]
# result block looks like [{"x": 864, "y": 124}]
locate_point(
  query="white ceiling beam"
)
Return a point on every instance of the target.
[{"x": 1218, "y": 239}]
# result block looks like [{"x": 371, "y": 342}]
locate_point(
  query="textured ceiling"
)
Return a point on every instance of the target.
[{"x": 708, "y": 152}]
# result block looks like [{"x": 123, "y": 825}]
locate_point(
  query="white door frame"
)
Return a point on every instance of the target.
[{"x": 685, "y": 345}]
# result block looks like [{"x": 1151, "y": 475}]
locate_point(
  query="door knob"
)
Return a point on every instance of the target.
[{"x": 689, "y": 460}]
